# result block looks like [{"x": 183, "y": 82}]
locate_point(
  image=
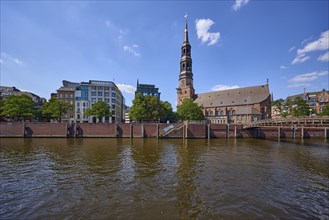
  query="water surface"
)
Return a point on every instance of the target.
[{"x": 107, "y": 178}]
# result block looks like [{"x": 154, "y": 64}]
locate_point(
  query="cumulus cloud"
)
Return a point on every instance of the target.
[
  {"x": 202, "y": 29},
  {"x": 322, "y": 43},
  {"x": 324, "y": 57},
  {"x": 300, "y": 58},
  {"x": 308, "y": 77},
  {"x": 283, "y": 67},
  {"x": 132, "y": 49},
  {"x": 125, "y": 88},
  {"x": 238, "y": 4},
  {"x": 299, "y": 85},
  {"x": 223, "y": 87},
  {"x": 8, "y": 58}
]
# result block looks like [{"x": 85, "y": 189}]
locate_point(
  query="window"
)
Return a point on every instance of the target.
[
  {"x": 66, "y": 95},
  {"x": 71, "y": 102},
  {"x": 106, "y": 88},
  {"x": 106, "y": 94},
  {"x": 93, "y": 88},
  {"x": 112, "y": 88},
  {"x": 100, "y": 93},
  {"x": 84, "y": 104},
  {"x": 113, "y": 94},
  {"x": 100, "y": 88},
  {"x": 93, "y": 99},
  {"x": 100, "y": 99},
  {"x": 78, "y": 104},
  {"x": 113, "y": 106},
  {"x": 113, "y": 101},
  {"x": 60, "y": 95},
  {"x": 107, "y": 100},
  {"x": 93, "y": 93},
  {"x": 78, "y": 116},
  {"x": 71, "y": 96}
]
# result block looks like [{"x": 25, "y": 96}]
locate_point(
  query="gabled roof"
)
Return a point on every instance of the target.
[{"x": 233, "y": 97}]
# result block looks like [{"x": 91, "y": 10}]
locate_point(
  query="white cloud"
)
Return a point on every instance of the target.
[
  {"x": 301, "y": 58},
  {"x": 238, "y": 4},
  {"x": 291, "y": 49},
  {"x": 125, "y": 88},
  {"x": 299, "y": 85},
  {"x": 131, "y": 49},
  {"x": 283, "y": 67},
  {"x": 108, "y": 23},
  {"x": 320, "y": 44},
  {"x": 308, "y": 77},
  {"x": 11, "y": 59},
  {"x": 223, "y": 87},
  {"x": 324, "y": 57},
  {"x": 202, "y": 29}
]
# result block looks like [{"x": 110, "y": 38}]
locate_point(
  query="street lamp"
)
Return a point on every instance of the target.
[{"x": 310, "y": 112}]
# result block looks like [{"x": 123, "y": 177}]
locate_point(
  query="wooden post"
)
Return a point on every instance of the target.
[
  {"x": 23, "y": 129},
  {"x": 157, "y": 130},
  {"x": 234, "y": 131},
  {"x": 186, "y": 127},
  {"x": 116, "y": 130},
  {"x": 325, "y": 133},
  {"x": 279, "y": 132},
  {"x": 183, "y": 133},
  {"x": 208, "y": 131},
  {"x": 228, "y": 130},
  {"x": 302, "y": 131},
  {"x": 142, "y": 130},
  {"x": 131, "y": 130}
]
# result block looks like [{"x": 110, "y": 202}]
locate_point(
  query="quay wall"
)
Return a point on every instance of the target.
[{"x": 154, "y": 130}]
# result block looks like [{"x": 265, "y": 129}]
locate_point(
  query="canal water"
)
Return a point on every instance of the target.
[{"x": 163, "y": 179}]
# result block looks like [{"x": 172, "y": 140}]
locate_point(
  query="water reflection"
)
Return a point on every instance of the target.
[{"x": 172, "y": 179}]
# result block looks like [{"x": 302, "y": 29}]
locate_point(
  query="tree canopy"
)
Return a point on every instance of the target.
[
  {"x": 150, "y": 108},
  {"x": 189, "y": 110},
  {"x": 100, "y": 109},
  {"x": 55, "y": 109},
  {"x": 18, "y": 106},
  {"x": 302, "y": 108}
]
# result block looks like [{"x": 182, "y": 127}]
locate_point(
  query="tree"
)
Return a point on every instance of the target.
[
  {"x": 100, "y": 109},
  {"x": 302, "y": 108},
  {"x": 55, "y": 109},
  {"x": 18, "y": 106},
  {"x": 150, "y": 108},
  {"x": 279, "y": 104},
  {"x": 325, "y": 111},
  {"x": 189, "y": 110}
]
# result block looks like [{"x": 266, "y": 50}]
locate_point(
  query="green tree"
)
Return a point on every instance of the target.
[
  {"x": 55, "y": 109},
  {"x": 189, "y": 110},
  {"x": 169, "y": 115},
  {"x": 18, "y": 106},
  {"x": 325, "y": 111},
  {"x": 302, "y": 108},
  {"x": 148, "y": 108},
  {"x": 279, "y": 105},
  {"x": 100, "y": 109}
]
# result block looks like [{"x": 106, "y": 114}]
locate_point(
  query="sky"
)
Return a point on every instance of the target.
[{"x": 235, "y": 43}]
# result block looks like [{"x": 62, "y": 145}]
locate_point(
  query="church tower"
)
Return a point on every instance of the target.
[{"x": 185, "y": 88}]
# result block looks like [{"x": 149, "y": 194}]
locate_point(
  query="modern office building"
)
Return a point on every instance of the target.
[
  {"x": 147, "y": 89},
  {"x": 242, "y": 105},
  {"x": 83, "y": 95}
]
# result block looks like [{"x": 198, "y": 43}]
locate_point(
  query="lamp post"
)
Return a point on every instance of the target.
[{"x": 310, "y": 112}]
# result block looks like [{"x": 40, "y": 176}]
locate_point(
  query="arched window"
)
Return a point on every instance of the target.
[{"x": 233, "y": 112}]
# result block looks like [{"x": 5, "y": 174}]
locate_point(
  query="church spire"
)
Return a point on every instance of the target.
[{"x": 186, "y": 30}]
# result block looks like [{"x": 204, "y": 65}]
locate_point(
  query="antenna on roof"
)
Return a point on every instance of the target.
[{"x": 267, "y": 81}]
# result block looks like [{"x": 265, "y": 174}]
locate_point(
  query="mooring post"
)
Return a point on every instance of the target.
[
  {"x": 131, "y": 130},
  {"x": 234, "y": 131},
  {"x": 208, "y": 131},
  {"x": 142, "y": 130},
  {"x": 157, "y": 130},
  {"x": 302, "y": 132},
  {"x": 23, "y": 129},
  {"x": 279, "y": 132},
  {"x": 186, "y": 127},
  {"x": 228, "y": 130},
  {"x": 325, "y": 133}
]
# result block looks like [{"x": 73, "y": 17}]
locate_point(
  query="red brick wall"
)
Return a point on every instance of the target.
[
  {"x": 218, "y": 130},
  {"x": 11, "y": 130},
  {"x": 45, "y": 129},
  {"x": 124, "y": 130},
  {"x": 196, "y": 131},
  {"x": 96, "y": 130},
  {"x": 137, "y": 131},
  {"x": 314, "y": 132},
  {"x": 150, "y": 130}
]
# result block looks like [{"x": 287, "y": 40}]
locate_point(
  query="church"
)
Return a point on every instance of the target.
[{"x": 233, "y": 106}]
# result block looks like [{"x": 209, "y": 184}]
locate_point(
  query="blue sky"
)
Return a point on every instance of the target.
[{"x": 234, "y": 44}]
